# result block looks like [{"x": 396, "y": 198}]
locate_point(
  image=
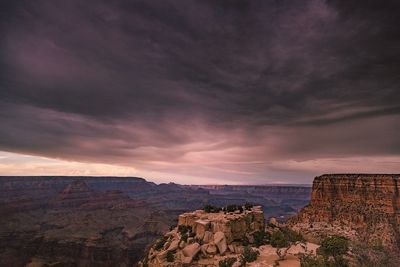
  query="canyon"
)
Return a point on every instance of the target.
[
  {"x": 109, "y": 221},
  {"x": 116, "y": 221}
]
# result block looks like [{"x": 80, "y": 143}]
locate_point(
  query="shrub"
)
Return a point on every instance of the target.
[
  {"x": 210, "y": 208},
  {"x": 248, "y": 206},
  {"x": 307, "y": 260},
  {"x": 183, "y": 229},
  {"x": 233, "y": 208},
  {"x": 261, "y": 238},
  {"x": 228, "y": 262},
  {"x": 160, "y": 243},
  {"x": 285, "y": 237},
  {"x": 292, "y": 236},
  {"x": 170, "y": 256},
  {"x": 249, "y": 255},
  {"x": 335, "y": 246},
  {"x": 184, "y": 237},
  {"x": 279, "y": 240}
]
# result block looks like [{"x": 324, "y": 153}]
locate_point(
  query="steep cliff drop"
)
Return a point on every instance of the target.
[{"x": 363, "y": 207}]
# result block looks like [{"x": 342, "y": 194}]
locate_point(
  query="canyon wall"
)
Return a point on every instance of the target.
[
  {"x": 365, "y": 207},
  {"x": 102, "y": 221}
]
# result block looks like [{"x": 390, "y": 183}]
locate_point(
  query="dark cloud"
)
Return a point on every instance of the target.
[{"x": 174, "y": 85}]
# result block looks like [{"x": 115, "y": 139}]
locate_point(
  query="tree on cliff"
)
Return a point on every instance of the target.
[{"x": 335, "y": 247}]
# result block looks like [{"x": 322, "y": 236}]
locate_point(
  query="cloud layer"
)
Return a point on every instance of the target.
[{"x": 238, "y": 91}]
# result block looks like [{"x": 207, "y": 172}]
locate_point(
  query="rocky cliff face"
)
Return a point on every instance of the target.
[{"x": 360, "y": 206}]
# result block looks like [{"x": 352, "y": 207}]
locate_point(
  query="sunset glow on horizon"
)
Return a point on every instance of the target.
[{"x": 199, "y": 92}]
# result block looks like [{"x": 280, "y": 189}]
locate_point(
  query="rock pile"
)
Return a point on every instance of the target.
[{"x": 202, "y": 237}]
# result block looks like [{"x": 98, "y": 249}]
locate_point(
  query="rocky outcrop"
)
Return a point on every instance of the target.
[
  {"x": 211, "y": 235},
  {"x": 365, "y": 207},
  {"x": 225, "y": 239}
]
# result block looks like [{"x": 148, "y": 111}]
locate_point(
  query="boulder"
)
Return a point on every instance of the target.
[
  {"x": 220, "y": 242},
  {"x": 203, "y": 249},
  {"x": 208, "y": 236},
  {"x": 200, "y": 227},
  {"x": 182, "y": 244},
  {"x": 191, "y": 250},
  {"x": 211, "y": 249},
  {"x": 174, "y": 245}
]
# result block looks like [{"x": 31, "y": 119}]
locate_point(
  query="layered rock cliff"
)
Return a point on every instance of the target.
[{"x": 364, "y": 207}]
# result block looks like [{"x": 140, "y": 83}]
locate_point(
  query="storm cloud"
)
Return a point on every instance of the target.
[{"x": 230, "y": 90}]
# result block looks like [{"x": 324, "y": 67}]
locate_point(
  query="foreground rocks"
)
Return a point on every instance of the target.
[{"x": 205, "y": 239}]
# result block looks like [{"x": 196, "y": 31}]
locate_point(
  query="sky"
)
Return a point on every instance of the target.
[{"x": 200, "y": 92}]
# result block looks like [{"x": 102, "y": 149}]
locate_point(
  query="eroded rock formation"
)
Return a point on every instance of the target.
[
  {"x": 364, "y": 207},
  {"x": 209, "y": 234}
]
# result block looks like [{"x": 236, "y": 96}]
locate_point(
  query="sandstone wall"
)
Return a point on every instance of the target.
[{"x": 360, "y": 206}]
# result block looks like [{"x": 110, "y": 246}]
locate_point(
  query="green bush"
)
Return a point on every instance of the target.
[
  {"x": 233, "y": 208},
  {"x": 192, "y": 234},
  {"x": 184, "y": 237},
  {"x": 160, "y": 243},
  {"x": 279, "y": 240},
  {"x": 183, "y": 229},
  {"x": 248, "y": 206},
  {"x": 335, "y": 246},
  {"x": 170, "y": 256},
  {"x": 249, "y": 255},
  {"x": 228, "y": 262},
  {"x": 307, "y": 260},
  {"x": 261, "y": 238},
  {"x": 211, "y": 209},
  {"x": 292, "y": 236},
  {"x": 284, "y": 237}
]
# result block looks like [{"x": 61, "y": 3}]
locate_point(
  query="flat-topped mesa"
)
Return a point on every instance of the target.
[
  {"x": 365, "y": 207},
  {"x": 234, "y": 225},
  {"x": 209, "y": 234}
]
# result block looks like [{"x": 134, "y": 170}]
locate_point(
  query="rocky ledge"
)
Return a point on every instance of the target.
[
  {"x": 223, "y": 239},
  {"x": 206, "y": 233}
]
